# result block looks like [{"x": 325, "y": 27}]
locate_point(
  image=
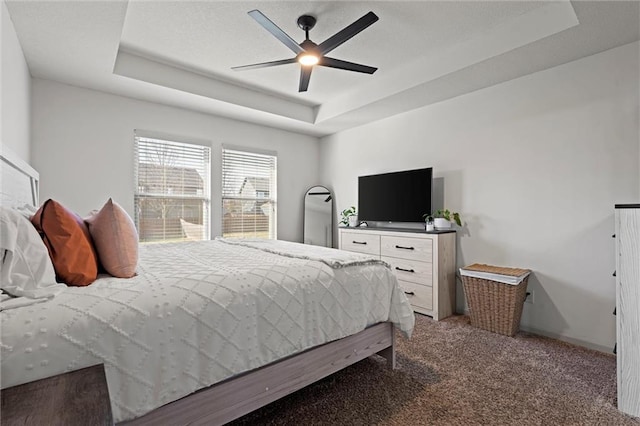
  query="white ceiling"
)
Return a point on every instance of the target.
[{"x": 181, "y": 53}]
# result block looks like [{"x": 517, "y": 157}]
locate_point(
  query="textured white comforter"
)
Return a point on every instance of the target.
[{"x": 198, "y": 313}]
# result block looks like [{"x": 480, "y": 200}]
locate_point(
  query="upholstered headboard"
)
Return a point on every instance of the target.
[{"x": 18, "y": 180}]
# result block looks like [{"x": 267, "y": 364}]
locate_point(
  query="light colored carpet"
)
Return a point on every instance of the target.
[{"x": 450, "y": 373}]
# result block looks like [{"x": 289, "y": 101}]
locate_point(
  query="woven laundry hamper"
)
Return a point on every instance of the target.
[{"x": 495, "y": 296}]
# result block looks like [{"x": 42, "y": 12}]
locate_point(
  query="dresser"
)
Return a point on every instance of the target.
[
  {"x": 425, "y": 263},
  {"x": 627, "y": 218}
]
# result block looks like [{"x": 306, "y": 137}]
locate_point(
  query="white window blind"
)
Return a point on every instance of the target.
[
  {"x": 172, "y": 195},
  {"x": 249, "y": 194}
]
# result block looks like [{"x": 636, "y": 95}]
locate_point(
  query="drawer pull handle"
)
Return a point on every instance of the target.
[
  {"x": 360, "y": 242},
  {"x": 409, "y": 293},
  {"x": 405, "y": 248},
  {"x": 405, "y": 270}
]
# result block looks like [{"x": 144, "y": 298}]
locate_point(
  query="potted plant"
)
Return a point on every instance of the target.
[
  {"x": 443, "y": 218},
  {"x": 349, "y": 217},
  {"x": 428, "y": 219}
]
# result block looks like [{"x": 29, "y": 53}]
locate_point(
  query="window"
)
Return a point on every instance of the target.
[
  {"x": 248, "y": 194},
  {"x": 173, "y": 197}
]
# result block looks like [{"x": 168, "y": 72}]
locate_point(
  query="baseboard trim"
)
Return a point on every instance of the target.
[
  {"x": 573, "y": 341},
  {"x": 568, "y": 339}
]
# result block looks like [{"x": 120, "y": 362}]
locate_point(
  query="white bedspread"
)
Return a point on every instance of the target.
[{"x": 198, "y": 313}]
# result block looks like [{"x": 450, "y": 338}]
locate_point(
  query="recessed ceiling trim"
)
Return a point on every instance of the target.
[
  {"x": 155, "y": 72},
  {"x": 530, "y": 27},
  {"x": 76, "y": 43}
]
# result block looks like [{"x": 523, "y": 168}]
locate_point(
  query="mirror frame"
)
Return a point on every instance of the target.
[{"x": 304, "y": 216}]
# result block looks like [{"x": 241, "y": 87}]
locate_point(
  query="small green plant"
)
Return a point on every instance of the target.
[
  {"x": 346, "y": 214},
  {"x": 428, "y": 217},
  {"x": 448, "y": 215}
]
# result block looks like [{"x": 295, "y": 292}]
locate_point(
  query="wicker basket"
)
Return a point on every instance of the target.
[{"x": 493, "y": 305}]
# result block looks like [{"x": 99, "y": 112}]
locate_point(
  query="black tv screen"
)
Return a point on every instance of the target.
[{"x": 395, "y": 197}]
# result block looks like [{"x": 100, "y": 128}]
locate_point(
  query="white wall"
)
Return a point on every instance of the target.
[
  {"x": 83, "y": 149},
  {"x": 15, "y": 89},
  {"x": 534, "y": 166}
]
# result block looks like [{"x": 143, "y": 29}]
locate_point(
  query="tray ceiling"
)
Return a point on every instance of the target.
[{"x": 181, "y": 53}]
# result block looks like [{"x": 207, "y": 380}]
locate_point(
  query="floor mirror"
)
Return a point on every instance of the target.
[{"x": 318, "y": 217}]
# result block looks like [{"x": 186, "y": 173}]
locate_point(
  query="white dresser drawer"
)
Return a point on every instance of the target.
[
  {"x": 361, "y": 242},
  {"x": 411, "y": 270},
  {"x": 418, "y": 295},
  {"x": 407, "y": 248}
]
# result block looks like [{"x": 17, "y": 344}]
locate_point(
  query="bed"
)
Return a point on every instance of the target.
[{"x": 209, "y": 331}]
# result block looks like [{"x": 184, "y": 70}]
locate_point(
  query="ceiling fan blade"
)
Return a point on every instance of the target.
[
  {"x": 351, "y": 30},
  {"x": 345, "y": 65},
  {"x": 265, "y": 64},
  {"x": 305, "y": 76},
  {"x": 276, "y": 31}
]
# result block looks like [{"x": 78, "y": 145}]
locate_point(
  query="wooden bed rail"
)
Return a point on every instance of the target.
[{"x": 233, "y": 398}]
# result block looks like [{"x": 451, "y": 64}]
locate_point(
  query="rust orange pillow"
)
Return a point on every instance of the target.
[
  {"x": 116, "y": 240},
  {"x": 69, "y": 243}
]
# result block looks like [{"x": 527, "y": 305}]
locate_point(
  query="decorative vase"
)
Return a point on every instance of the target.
[
  {"x": 430, "y": 226},
  {"x": 353, "y": 221},
  {"x": 442, "y": 223}
]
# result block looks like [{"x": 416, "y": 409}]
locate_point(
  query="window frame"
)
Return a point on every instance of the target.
[
  {"x": 201, "y": 197},
  {"x": 272, "y": 198}
]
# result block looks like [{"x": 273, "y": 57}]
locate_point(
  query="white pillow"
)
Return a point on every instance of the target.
[
  {"x": 25, "y": 268},
  {"x": 27, "y": 210}
]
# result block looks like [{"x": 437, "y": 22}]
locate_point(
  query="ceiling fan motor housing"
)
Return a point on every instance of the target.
[{"x": 308, "y": 45}]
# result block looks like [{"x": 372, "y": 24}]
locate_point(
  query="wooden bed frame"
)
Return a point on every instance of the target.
[{"x": 242, "y": 394}]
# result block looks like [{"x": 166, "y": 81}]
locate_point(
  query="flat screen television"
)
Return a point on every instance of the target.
[{"x": 395, "y": 197}]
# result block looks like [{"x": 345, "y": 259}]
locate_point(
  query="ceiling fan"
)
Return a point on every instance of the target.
[{"x": 309, "y": 53}]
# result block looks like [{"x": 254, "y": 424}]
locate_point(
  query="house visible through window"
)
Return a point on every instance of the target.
[
  {"x": 249, "y": 195},
  {"x": 173, "y": 198}
]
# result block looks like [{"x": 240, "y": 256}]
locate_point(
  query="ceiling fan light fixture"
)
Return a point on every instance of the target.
[
  {"x": 308, "y": 59},
  {"x": 308, "y": 53}
]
